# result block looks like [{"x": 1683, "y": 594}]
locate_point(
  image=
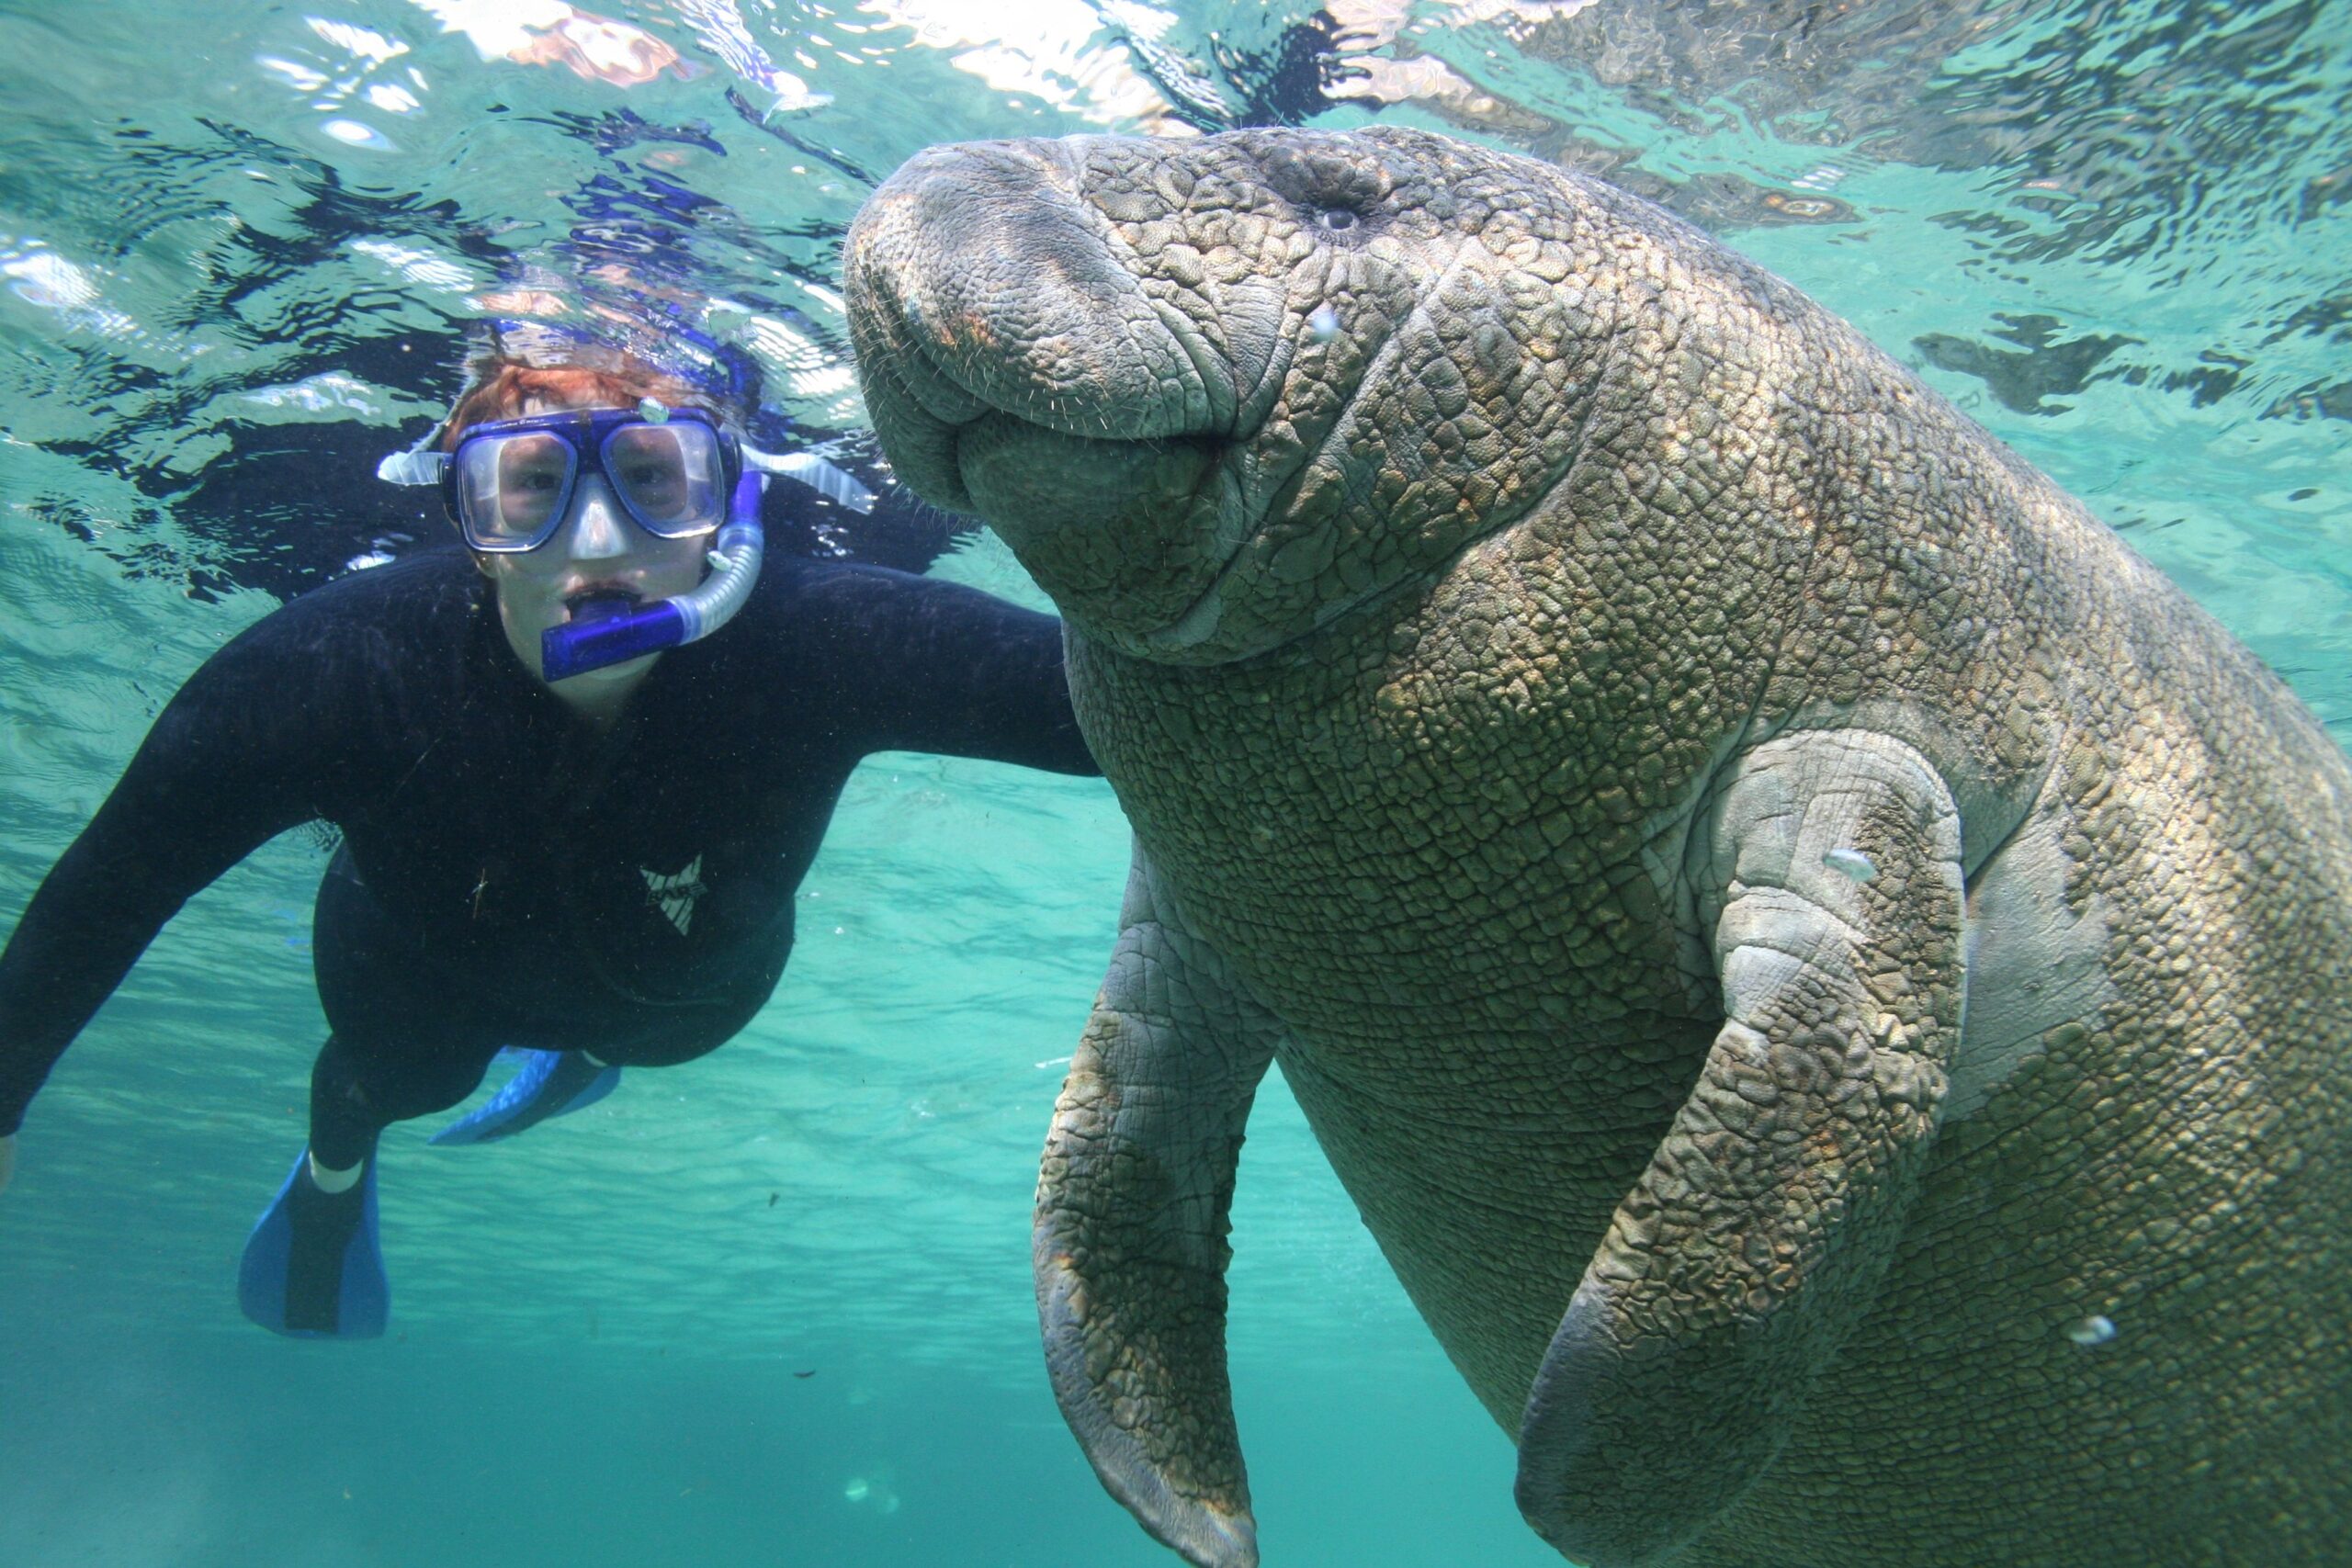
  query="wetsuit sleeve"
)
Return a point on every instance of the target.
[
  {"x": 230, "y": 763},
  {"x": 951, "y": 669}
]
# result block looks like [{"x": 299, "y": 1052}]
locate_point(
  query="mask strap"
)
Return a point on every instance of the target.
[
  {"x": 826, "y": 477},
  {"x": 417, "y": 464}
]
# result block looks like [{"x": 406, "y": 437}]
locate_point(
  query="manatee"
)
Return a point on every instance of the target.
[{"x": 1821, "y": 969}]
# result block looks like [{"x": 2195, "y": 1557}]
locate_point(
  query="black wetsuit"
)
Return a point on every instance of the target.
[{"x": 510, "y": 875}]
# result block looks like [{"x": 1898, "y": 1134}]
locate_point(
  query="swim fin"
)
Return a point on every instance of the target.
[
  {"x": 313, "y": 1269},
  {"x": 552, "y": 1083}
]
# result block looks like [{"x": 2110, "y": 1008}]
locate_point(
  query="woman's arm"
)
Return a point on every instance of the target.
[
  {"x": 942, "y": 668},
  {"x": 237, "y": 757}
]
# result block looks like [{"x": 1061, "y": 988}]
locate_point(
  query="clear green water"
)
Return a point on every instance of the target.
[{"x": 237, "y": 248}]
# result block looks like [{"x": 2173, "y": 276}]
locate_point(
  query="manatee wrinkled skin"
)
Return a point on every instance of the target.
[{"x": 1823, "y": 972}]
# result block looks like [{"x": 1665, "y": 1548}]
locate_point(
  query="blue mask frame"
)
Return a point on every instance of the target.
[{"x": 587, "y": 435}]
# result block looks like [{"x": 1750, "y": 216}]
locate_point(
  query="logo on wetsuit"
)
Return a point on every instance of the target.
[{"x": 674, "y": 894}]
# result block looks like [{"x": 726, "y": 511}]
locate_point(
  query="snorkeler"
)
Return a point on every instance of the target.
[{"x": 572, "y": 819}]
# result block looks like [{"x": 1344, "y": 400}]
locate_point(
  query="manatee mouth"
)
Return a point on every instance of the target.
[
  {"x": 1022, "y": 364},
  {"x": 1100, "y": 477},
  {"x": 976, "y": 404},
  {"x": 1180, "y": 507},
  {"x": 1078, "y": 466}
]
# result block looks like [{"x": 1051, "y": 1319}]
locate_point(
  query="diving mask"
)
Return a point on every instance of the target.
[{"x": 510, "y": 482}]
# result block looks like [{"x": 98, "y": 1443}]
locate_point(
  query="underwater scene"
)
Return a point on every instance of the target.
[{"x": 773, "y": 1302}]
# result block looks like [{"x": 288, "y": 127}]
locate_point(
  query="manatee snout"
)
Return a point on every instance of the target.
[
  {"x": 985, "y": 259},
  {"x": 1014, "y": 369}
]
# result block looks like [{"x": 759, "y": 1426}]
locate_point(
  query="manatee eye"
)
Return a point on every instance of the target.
[{"x": 1335, "y": 217}]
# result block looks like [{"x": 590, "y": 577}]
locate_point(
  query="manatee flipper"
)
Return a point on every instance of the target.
[
  {"x": 1759, "y": 1234},
  {"x": 1132, "y": 1202}
]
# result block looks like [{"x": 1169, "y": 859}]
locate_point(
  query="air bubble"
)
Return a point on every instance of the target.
[
  {"x": 1851, "y": 864},
  {"x": 2089, "y": 1331}
]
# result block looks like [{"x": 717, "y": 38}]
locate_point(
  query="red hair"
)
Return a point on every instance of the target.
[{"x": 507, "y": 388}]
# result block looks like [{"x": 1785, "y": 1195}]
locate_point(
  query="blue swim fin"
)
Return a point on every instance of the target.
[
  {"x": 552, "y": 1083},
  {"x": 313, "y": 1269}
]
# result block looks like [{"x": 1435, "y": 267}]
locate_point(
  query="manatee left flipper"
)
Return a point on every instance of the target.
[
  {"x": 1129, "y": 1247},
  {"x": 1759, "y": 1234}
]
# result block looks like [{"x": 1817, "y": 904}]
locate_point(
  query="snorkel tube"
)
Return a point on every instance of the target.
[{"x": 616, "y": 633}]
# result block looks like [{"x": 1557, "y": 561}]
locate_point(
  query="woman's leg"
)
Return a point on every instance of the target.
[
  {"x": 547, "y": 1084},
  {"x": 358, "y": 1088},
  {"x": 399, "y": 1049},
  {"x": 402, "y": 1046}
]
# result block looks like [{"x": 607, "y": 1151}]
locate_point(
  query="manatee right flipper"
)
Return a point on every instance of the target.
[
  {"x": 1759, "y": 1236},
  {"x": 1133, "y": 1206}
]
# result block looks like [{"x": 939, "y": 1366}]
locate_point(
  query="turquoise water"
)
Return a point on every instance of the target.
[{"x": 238, "y": 258}]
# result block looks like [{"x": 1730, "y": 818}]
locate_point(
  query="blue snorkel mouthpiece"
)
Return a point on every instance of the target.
[{"x": 605, "y": 633}]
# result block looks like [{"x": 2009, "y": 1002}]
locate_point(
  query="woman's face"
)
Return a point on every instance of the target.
[{"x": 597, "y": 550}]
